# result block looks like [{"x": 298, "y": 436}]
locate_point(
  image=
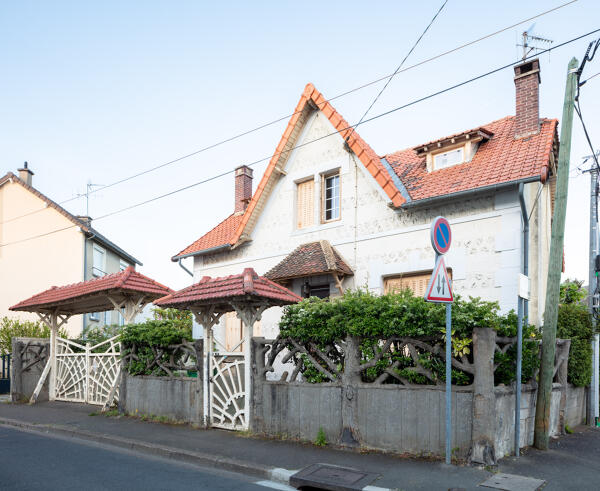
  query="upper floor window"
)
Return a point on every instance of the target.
[
  {"x": 331, "y": 197},
  {"x": 98, "y": 261},
  {"x": 123, "y": 265},
  {"x": 305, "y": 203},
  {"x": 449, "y": 158}
]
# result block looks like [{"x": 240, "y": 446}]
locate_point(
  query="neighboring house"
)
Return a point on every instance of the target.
[
  {"x": 42, "y": 244},
  {"x": 333, "y": 214}
]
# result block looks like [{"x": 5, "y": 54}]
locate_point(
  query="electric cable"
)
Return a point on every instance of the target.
[
  {"x": 373, "y": 118},
  {"x": 283, "y": 118}
]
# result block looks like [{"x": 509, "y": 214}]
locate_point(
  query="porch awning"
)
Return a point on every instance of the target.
[
  {"x": 220, "y": 293},
  {"x": 97, "y": 295}
]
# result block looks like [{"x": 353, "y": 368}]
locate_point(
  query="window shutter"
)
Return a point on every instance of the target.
[
  {"x": 416, "y": 282},
  {"x": 306, "y": 204}
]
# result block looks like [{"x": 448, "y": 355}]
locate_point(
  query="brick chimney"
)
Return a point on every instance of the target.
[
  {"x": 85, "y": 219},
  {"x": 25, "y": 174},
  {"x": 243, "y": 188},
  {"x": 527, "y": 85}
]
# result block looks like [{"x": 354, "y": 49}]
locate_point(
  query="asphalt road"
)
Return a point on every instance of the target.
[{"x": 35, "y": 461}]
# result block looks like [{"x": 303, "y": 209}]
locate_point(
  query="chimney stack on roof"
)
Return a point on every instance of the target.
[
  {"x": 527, "y": 85},
  {"x": 243, "y": 188},
  {"x": 25, "y": 174},
  {"x": 85, "y": 219}
]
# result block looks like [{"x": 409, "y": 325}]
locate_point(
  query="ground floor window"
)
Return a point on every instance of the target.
[{"x": 417, "y": 282}]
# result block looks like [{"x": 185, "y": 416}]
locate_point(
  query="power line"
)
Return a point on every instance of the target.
[
  {"x": 283, "y": 118},
  {"x": 397, "y": 69},
  {"x": 386, "y": 113}
]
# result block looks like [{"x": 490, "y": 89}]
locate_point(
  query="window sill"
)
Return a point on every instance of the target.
[{"x": 317, "y": 228}]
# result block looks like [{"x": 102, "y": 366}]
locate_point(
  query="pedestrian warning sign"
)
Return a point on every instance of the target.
[{"x": 439, "y": 289}]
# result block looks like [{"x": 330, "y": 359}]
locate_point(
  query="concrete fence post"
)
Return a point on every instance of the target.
[
  {"x": 257, "y": 365},
  {"x": 562, "y": 360},
  {"x": 199, "y": 350},
  {"x": 16, "y": 386},
  {"x": 483, "y": 447},
  {"x": 350, "y": 436}
]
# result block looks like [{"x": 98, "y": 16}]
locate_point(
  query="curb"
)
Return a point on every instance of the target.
[
  {"x": 206, "y": 460},
  {"x": 276, "y": 474}
]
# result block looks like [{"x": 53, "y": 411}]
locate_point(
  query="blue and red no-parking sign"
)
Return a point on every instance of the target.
[{"x": 441, "y": 235}]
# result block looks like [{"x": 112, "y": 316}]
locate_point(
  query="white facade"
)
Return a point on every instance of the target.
[{"x": 378, "y": 241}]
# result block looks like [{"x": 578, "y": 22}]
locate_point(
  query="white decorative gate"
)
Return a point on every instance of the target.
[
  {"x": 86, "y": 373},
  {"x": 228, "y": 391}
]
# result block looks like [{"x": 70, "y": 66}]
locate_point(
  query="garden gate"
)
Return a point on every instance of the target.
[
  {"x": 228, "y": 395},
  {"x": 86, "y": 373}
]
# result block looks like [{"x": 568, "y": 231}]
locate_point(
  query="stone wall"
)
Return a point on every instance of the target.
[
  {"x": 177, "y": 398},
  {"x": 29, "y": 357},
  {"x": 390, "y": 418}
]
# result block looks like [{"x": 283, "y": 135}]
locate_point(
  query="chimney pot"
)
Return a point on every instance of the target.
[
  {"x": 527, "y": 86},
  {"x": 243, "y": 188},
  {"x": 25, "y": 174}
]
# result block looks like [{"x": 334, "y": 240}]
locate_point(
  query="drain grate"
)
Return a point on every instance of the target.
[
  {"x": 332, "y": 478},
  {"x": 512, "y": 482}
]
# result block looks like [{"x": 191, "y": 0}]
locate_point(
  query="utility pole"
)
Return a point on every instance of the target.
[
  {"x": 544, "y": 394},
  {"x": 592, "y": 416}
]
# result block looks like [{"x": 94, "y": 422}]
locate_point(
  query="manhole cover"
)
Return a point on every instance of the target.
[
  {"x": 511, "y": 482},
  {"x": 332, "y": 478}
]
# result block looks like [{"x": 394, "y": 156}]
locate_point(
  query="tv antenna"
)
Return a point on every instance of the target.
[
  {"x": 529, "y": 41},
  {"x": 88, "y": 190}
]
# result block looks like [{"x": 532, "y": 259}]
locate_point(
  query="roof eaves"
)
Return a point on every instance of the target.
[
  {"x": 93, "y": 234},
  {"x": 458, "y": 194},
  {"x": 210, "y": 250}
]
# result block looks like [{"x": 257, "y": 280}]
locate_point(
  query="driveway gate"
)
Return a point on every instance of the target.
[
  {"x": 5, "y": 374},
  {"x": 86, "y": 373}
]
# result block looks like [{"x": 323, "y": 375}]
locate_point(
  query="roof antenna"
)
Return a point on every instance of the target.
[
  {"x": 87, "y": 193},
  {"x": 529, "y": 40}
]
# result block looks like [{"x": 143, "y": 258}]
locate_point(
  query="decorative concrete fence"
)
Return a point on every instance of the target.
[
  {"x": 29, "y": 357},
  {"x": 400, "y": 416}
]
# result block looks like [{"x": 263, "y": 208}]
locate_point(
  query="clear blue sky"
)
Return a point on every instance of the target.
[{"x": 97, "y": 91}]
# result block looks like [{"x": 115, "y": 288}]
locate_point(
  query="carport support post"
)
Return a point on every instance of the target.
[
  {"x": 53, "y": 336},
  {"x": 207, "y": 319},
  {"x": 249, "y": 314}
]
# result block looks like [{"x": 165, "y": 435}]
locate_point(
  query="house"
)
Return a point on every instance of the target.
[
  {"x": 42, "y": 244},
  {"x": 330, "y": 213}
]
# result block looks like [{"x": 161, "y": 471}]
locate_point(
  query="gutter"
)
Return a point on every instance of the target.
[
  {"x": 466, "y": 192},
  {"x": 525, "y": 261},
  {"x": 219, "y": 248}
]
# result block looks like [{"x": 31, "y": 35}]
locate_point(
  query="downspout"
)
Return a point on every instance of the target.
[
  {"x": 525, "y": 219},
  {"x": 85, "y": 239},
  {"x": 184, "y": 268}
]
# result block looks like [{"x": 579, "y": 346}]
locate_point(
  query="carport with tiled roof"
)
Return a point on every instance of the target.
[
  {"x": 249, "y": 295},
  {"x": 128, "y": 292}
]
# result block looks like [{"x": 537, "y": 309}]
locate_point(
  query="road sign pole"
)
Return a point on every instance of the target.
[{"x": 448, "y": 382}]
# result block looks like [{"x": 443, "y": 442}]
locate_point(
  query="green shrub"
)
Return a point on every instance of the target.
[
  {"x": 374, "y": 318},
  {"x": 574, "y": 323},
  {"x": 140, "y": 339},
  {"x": 180, "y": 319},
  {"x": 15, "y": 328}
]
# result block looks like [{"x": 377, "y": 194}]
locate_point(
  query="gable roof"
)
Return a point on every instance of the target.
[
  {"x": 90, "y": 231},
  {"x": 308, "y": 260},
  {"x": 92, "y": 295},
  {"x": 403, "y": 175},
  {"x": 219, "y": 292}
]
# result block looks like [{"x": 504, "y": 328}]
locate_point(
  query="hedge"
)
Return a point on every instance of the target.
[{"x": 574, "y": 323}]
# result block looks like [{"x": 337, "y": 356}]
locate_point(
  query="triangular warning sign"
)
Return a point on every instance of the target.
[{"x": 439, "y": 289}]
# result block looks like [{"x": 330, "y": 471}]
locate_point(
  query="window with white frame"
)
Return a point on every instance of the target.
[
  {"x": 449, "y": 158},
  {"x": 123, "y": 265},
  {"x": 98, "y": 261},
  {"x": 331, "y": 197}
]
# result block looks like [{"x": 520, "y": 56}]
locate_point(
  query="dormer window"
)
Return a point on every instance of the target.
[
  {"x": 453, "y": 150},
  {"x": 449, "y": 158}
]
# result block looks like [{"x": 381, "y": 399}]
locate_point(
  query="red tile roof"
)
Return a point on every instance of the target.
[
  {"x": 93, "y": 294},
  {"x": 310, "y": 259},
  {"x": 221, "y": 291},
  {"x": 497, "y": 160},
  {"x": 218, "y": 236}
]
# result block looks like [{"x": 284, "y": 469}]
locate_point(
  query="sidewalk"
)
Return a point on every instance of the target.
[{"x": 571, "y": 463}]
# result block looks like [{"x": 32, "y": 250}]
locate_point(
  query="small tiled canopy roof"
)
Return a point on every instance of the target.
[
  {"x": 220, "y": 292},
  {"x": 308, "y": 260},
  {"x": 93, "y": 295}
]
